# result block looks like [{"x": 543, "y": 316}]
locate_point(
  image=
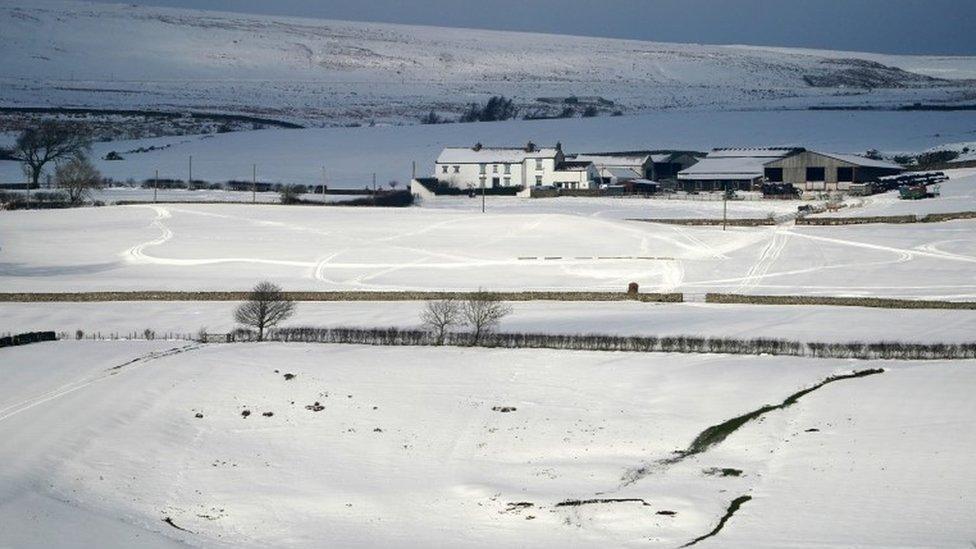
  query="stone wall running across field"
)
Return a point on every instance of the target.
[
  {"x": 337, "y": 296},
  {"x": 878, "y": 302}
]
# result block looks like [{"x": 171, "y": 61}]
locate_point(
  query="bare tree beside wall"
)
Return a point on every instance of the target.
[
  {"x": 482, "y": 313},
  {"x": 439, "y": 316},
  {"x": 78, "y": 178},
  {"x": 52, "y": 141},
  {"x": 265, "y": 307}
]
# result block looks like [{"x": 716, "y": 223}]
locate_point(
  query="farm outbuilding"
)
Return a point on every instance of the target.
[{"x": 818, "y": 171}]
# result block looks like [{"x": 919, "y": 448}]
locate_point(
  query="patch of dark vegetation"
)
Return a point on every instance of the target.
[
  {"x": 169, "y": 521},
  {"x": 268, "y": 414},
  {"x": 390, "y": 199},
  {"x": 289, "y": 377},
  {"x": 579, "y": 502},
  {"x": 722, "y": 472},
  {"x": 733, "y": 507},
  {"x": 518, "y": 505},
  {"x": 716, "y": 434},
  {"x": 503, "y": 409},
  {"x": 812, "y": 430},
  {"x": 316, "y": 407},
  {"x": 667, "y": 513},
  {"x": 198, "y": 415},
  {"x": 245, "y": 414}
]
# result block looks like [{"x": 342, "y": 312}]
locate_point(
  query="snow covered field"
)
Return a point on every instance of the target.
[
  {"x": 230, "y": 247},
  {"x": 408, "y": 451},
  {"x": 798, "y": 323}
]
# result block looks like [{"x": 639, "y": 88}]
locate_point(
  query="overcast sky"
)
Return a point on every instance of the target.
[{"x": 889, "y": 26}]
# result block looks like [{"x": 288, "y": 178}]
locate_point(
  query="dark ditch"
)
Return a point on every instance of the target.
[
  {"x": 715, "y": 434},
  {"x": 169, "y": 521},
  {"x": 579, "y": 502},
  {"x": 733, "y": 507}
]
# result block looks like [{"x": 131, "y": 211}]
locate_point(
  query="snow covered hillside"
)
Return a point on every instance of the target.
[
  {"x": 64, "y": 53},
  {"x": 213, "y": 446}
]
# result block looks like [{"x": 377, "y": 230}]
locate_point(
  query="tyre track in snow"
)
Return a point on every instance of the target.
[
  {"x": 770, "y": 253},
  {"x": 13, "y": 409}
]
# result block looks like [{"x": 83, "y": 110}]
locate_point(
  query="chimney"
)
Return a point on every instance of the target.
[
  {"x": 477, "y": 147},
  {"x": 530, "y": 147}
]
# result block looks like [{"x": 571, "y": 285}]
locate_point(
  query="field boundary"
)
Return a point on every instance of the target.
[
  {"x": 837, "y": 301},
  {"x": 711, "y": 222},
  {"x": 52, "y": 297},
  {"x": 892, "y": 219}
]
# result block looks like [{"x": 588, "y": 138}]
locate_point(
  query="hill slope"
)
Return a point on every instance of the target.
[{"x": 322, "y": 72}]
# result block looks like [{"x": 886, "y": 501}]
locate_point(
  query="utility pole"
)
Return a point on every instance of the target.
[
  {"x": 374, "y": 188},
  {"x": 190, "y": 180},
  {"x": 725, "y": 206},
  {"x": 413, "y": 171},
  {"x": 156, "y": 187},
  {"x": 254, "y": 183},
  {"x": 323, "y": 181}
]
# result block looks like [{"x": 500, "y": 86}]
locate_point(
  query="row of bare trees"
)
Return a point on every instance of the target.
[
  {"x": 481, "y": 313},
  {"x": 267, "y": 306}
]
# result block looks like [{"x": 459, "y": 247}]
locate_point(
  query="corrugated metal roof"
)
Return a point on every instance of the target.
[
  {"x": 725, "y": 168},
  {"x": 861, "y": 160}
]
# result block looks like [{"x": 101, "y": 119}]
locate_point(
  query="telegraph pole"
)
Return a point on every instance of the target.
[
  {"x": 725, "y": 206},
  {"x": 254, "y": 183},
  {"x": 156, "y": 187},
  {"x": 374, "y": 188},
  {"x": 190, "y": 180}
]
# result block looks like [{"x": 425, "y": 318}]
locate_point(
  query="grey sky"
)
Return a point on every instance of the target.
[{"x": 889, "y": 26}]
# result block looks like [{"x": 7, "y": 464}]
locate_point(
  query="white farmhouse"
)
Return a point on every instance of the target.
[{"x": 529, "y": 166}]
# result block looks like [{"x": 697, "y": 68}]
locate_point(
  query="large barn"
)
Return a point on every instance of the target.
[{"x": 818, "y": 171}]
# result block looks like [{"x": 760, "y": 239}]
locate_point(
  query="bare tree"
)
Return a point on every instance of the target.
[
  {"x": 265, "y": 307},
  {"x": 482, "y": 312},
  {"x": 439, "y": 316},
  {"x": 78, "y": 178},
  {"x": 393, "y": 184},
  {"x": 51, "y": 141}
]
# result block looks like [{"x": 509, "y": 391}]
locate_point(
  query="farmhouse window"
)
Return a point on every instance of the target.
[
  {"x": 816, "y": 174},
  {"x": 482, "y": 168},
  {"x": 494, "y": 168},
  {"x": 538, "y": 163},
  {"x": 508, "y": 181},
  {"x": 845, "y": 175},
  {"x": 538, "y": 181},
  {"x": 457, "y": 169},
  {"x": 508, "y": 168},
  {"x": 443, "y": 169}
]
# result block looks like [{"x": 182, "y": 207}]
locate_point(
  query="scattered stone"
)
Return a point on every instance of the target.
[
  {"x": 289, "y": 377},
  {"x": 503, "y": 409},
  {"x": 245, "y": 413},
  {"x": 377, "y": 430},
  {"x": 812, "y": 430},
  {"x": 515, "y": 506},
  {"x": 268, "y": 414},
  {"x": 169, "y": 521},
  {"x": 315, "y": 407},
  {"x": 277, "y": 372},
  {"x": 667, "y": 513},
  {"x": 529, "y": 517},
  {"x": 198, "y": 415},
  {"x": 722, "y": 472}
]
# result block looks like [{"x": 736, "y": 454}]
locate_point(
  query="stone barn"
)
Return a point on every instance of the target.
[{"x": 812, "y": 171}]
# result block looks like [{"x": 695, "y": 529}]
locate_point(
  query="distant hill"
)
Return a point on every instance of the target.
[{"x": 322, "y": 72}]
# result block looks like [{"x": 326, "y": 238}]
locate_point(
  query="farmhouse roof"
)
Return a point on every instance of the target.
[{"x": 490, "y": 155}]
